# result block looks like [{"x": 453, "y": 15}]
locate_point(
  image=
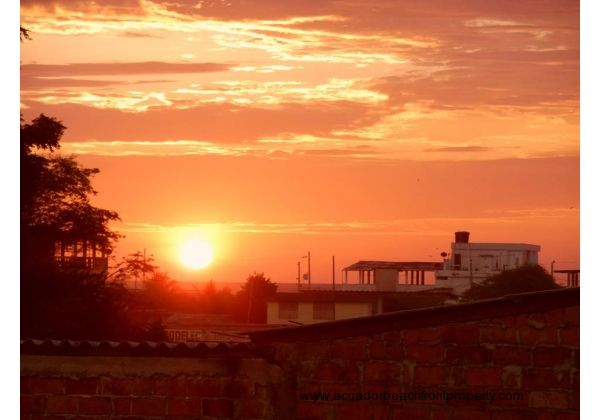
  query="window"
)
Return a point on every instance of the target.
[
  {"x": 457, "y": 261},
  {"x": 323, "y": 310},
  {"x": 288, "y": 310}
]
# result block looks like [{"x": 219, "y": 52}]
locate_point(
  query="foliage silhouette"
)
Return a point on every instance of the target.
[
  {"x": 529, "y": 278},
  {"x": 252, "y": 298}
]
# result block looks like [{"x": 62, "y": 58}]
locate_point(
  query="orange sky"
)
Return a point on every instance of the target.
[{"x": 365, "y": 129}]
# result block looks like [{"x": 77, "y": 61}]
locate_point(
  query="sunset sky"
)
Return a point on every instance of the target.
[{"x": 361, "y": 129}]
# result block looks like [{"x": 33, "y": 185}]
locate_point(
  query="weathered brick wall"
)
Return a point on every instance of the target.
[
  {"x": 146, "y": 388},
  {"x": 536, "y": 354}
]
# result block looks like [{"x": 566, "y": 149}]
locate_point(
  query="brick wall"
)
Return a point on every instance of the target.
[
  {"x": 528, "y": 346},
  {"x": 533, "y": 354},
  {"x": 145, "y": 388}
]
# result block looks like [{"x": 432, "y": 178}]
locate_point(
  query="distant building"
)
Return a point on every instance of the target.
[
  {"x": 216, "y": 328},
  {"x": 473, "y": 262},
  {"x": 466, "y": 264},
  {"x": 310, "y": 307},
  {"x": 81, "y": 254}
]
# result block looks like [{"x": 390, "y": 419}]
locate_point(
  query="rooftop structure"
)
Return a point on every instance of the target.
[{"x": 471, "y": 262}]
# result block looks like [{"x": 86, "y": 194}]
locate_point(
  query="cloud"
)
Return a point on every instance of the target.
[
  {"x": 460, "y": 149},
  {"x": 134, "y": 34},
  {"x": 112, "y": 69},
  {"x": 214, "y": 122}
]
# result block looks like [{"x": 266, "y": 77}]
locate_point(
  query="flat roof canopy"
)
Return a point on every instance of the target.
[{"x": 394, "y": 265}]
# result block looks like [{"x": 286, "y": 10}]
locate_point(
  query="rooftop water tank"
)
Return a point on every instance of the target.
[{"x": 461, "y": 237}]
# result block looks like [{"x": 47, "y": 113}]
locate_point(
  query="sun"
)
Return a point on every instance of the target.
[{"x": 195, "y": 254}]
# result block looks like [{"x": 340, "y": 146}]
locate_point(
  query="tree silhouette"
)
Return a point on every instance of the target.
[
  {"x": 529, "y": 278},
  {"x": 55, "y": 195},
  {"x": 252, "y": 298}
]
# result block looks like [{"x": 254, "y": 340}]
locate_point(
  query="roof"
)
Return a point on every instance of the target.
[
  {"x": 488, "y": 246},
  {"x": 394, "y": 265},
  {"x": 425, "y": 317},
  {"x": 326, "y": 296},
  {"x": 134, "y": 348}
]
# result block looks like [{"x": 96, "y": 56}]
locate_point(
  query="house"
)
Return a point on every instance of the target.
[
  {"x": 313, "y": 306},
  {"x": 471, "y": 262}
]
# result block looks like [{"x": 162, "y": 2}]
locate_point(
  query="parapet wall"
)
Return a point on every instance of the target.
[{"x": 519, "y": 355}]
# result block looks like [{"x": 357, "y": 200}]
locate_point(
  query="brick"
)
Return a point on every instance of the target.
[
  {"x": 251, "y": 408},
  {"x": 483, "y": 376},
  {"x": 25, "y": 385},
  {"x": 430, "y": 375},
  {"x": 377, "y": 371},
  {"x": 410, "y": 413},
  {"x": 184, "y": 407},
  {"x": 379, "y": 411},
  {"x": 53, "y": 386},
  {"x": 574, "y": 400},
  {"x": 549, "y": 400},
  {"x": 567, "y": 416},
  {"x": 333, "y": 388},
  {"x": 466, "y": 334},
  {"x": 148, "y": 406},
  {"x": 112, "y": 386},
  {"x": 510, "y": 398},
  {"x": 31, "y": 404},
  {"x": 512, "y": 376},
  {"x": 351, "y": 411},
  {"x": 569, "y": 336},
  {"x": 554, "y": 317},
  {"x": 217, "y": 408},
  {"x": 550, "y": 356},
  {"x": 571, "y": 316},
  {"x": 94, "y": 405},
  {"x": 337, "y": 371},
  {"x": 422, "y": 335},
  {"x": 498, "y": 335},
  {"x": 83, "y": 386},
  {"x": 355, "y": 349},
  {"x": 514, "y": 415},
  {"x": 536, "y": 378},
  {"x": 205, "y": 388},
  {"x": 237, "y": 388},
  {"x": 394, "y": 347},
  {"x": 377, "y": 349},
  {"x": 61, "y": 405},
  {"x": 460, "y": 413},
  {"x": 285, "y": 352},
  {"x": 313, "y": 411},
  {"x": 532, "y": 336},
  {"x": 307, "y": 368},
  {"x": 424, "y": 353},
  {"x": 310, "y": 351},
  {"x": 508, "y": 355},
  {"x": 472, "y": 355},
  {"x": 170, "y": 387},
  {"x": 121, "y": 406}
]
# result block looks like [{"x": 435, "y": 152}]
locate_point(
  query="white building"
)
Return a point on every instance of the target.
[{"x": 473, "y": 262}]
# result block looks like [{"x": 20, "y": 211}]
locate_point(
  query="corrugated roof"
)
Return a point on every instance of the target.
[{"x": 135, "y": 348}]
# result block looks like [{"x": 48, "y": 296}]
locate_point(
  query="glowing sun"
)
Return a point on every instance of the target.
[{"x": 195, "y": 254}]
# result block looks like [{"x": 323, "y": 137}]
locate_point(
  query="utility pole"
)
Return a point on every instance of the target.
[
  {"x": 309, "y": 279},
  {"x": 333, "y": 271},
  {"x": 298, "y": 278}
]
